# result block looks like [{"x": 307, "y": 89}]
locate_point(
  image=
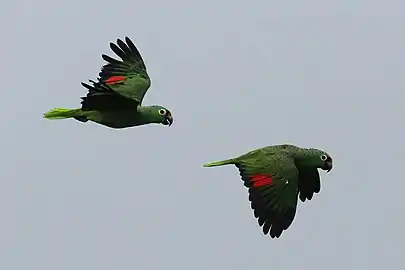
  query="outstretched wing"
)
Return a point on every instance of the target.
[
  {"x": 309, "y": 183},
  {"x": 273, "y": 191},
  {"x": 128, "y": 77},
  {"x": 102, "y": 98}
]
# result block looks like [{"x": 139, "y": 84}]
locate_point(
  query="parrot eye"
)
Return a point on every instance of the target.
[
  {"x": 162, "y": 112},
  {"x": 324, "y": 157}
]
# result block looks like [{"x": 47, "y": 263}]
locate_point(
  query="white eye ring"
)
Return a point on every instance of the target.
[
  {"x": 324, "y": 157},
  {"x": 162, "y": 112}
]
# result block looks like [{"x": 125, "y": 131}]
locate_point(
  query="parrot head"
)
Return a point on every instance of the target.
[
  {"x": 319, "y": 159},
  {"x": 162, "y": 115}
]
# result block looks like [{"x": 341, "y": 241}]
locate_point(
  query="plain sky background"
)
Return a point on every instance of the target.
[{"x": 237, "y": 75}]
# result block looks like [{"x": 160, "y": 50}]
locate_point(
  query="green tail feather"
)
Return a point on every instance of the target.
[
  {"x": 61, "y": 113},
  {"x": 220, "y": 163}
]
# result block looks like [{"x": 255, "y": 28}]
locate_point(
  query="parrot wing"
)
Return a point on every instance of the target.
[
  {"x": 129, "y": 77},
  {"x": 102, "y": 98},
  {"x": 309, "y": 183},
  {"x": 272, "y": 181}
]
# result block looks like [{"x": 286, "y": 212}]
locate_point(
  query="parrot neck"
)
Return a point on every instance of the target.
[
  {"x": 149, "y": 115},
  {"x": 301, "y": 158}
]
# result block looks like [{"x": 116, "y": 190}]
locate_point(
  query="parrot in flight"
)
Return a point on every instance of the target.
[
  {"x": 115, "y": 100},
  {"x": 275, "y": 177}
]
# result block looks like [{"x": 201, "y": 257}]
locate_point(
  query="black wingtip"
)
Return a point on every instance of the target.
[
  {"x": 128, "y": 40},
  {"x": 86, "y": 86}
]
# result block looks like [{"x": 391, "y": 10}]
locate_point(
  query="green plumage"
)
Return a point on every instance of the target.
[
  {"x": 115, "y": 99},
  {"x": 276, "y": 176}
]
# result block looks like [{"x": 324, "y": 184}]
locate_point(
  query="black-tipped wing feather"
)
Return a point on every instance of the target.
[{"x": 309, "y": 183}]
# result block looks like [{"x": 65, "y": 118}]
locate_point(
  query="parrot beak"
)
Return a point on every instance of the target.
[
  {"x": 328, "y": 165},
  {"x": 169, "y": 119}
]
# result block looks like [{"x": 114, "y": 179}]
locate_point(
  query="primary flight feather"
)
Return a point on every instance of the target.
[
  {"x": 115, "y": 99},
  {"x": 276, "y": 176}
]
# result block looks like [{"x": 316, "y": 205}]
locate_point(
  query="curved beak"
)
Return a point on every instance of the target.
[
  {"x": 169, "y": 119},
  {"x": 328, "y": 165}
]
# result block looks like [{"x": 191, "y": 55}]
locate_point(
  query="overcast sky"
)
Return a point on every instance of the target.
[{"x": 237, "y": 75}]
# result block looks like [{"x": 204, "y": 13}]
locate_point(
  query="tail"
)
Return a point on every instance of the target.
[
  {"x": 221, "y": 163},
  {"x": 61, "y": 113}
]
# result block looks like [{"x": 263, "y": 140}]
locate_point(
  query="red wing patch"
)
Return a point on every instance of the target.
[
  {"x": 115, "y": 79},
  {"x": 260, "y": 180}
]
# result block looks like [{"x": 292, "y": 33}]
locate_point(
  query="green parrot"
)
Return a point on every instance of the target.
[
  {"x": 115, "y": 100},
  {"x": 276, "y": 176}
]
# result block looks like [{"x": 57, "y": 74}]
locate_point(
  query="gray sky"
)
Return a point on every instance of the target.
[{"x": 236, "y": 76}]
